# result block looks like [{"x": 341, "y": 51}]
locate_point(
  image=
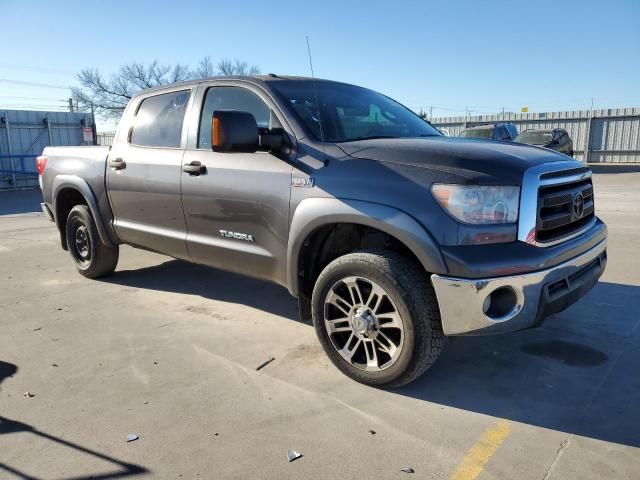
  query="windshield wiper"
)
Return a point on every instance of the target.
[{"x": 371, "y": 137}]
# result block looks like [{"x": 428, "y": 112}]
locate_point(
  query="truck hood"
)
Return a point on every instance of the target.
[{"x": 475, "y": 160}]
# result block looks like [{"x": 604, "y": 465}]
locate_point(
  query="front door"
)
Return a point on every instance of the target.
[
  {"x": 143, "y": 176},
  {"x": 237, "y": 208}
]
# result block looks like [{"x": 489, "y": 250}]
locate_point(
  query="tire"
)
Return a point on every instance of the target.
[
  {"x": 92, "y": 258},
  {"x": 363, "y": 339}
]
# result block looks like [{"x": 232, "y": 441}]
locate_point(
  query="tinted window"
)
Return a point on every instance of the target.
[
  {"x": 535, "y": 137},
  {"x": 349, "y": 113},
  {"x": 477, "y": 133},
  {"x": 512, "y": 131},
  {"x": 230, "y": 98},
  {"x": 158, "y": 122}
]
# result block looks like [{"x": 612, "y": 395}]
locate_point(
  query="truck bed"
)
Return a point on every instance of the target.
[{"x": 87, "y": 163}]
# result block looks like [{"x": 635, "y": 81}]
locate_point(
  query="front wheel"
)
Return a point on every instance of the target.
[
  {"x": 92, "y": 258},
  {"x": 377, "y": 318}
]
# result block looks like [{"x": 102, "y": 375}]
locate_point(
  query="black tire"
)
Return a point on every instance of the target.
[
  {"x": 92, "y": 258},
  {"x": 409, "y": 288}
]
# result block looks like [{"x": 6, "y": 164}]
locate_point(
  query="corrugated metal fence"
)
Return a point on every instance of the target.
[
  {"x": 611, "y": 136},
  {"x": 23, "y": 136},
  {"x": 106, "y": 138}
]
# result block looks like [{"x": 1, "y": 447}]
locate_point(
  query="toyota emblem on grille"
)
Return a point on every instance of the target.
[{"x": 578, "y": 205}]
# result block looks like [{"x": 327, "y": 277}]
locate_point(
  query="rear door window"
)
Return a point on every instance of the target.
[
  {"x": 501, "y": 133},
  {"x": 158, "y": 121}
]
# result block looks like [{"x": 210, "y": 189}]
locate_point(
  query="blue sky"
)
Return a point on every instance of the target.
[{"x": 452, "y": 55}]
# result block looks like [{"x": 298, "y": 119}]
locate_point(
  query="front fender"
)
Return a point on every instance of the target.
[
  {"x": 313, "y": 213},
  {"x": 61, "y": 182}
]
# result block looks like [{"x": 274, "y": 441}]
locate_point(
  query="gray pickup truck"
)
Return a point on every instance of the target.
[{"x": 390, "y": 235}]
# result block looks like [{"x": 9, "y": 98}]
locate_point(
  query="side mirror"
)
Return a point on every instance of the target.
[
  {"x": 275, "y": 141},
  {"x": 234, "y": 131}
]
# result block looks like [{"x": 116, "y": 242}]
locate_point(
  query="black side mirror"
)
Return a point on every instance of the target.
[
  {"x": 234, "y": 131},
  {"x": 275, "y": 141}
]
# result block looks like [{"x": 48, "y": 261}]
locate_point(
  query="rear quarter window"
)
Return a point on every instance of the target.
[{"x": 158, "y": 121}]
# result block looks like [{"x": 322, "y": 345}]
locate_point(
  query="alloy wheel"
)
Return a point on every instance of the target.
[{"x": 363, "y": 323}]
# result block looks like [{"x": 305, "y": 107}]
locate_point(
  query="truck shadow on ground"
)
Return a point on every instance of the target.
[
  {"x": 183, "y": 277},
  {"x": 576, "y": 374},
  {"x": 605, "y": 168},
  {"x": 8, "y": 426}
]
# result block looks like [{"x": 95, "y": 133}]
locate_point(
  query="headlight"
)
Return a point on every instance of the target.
[{"x": 478, "y": 205}]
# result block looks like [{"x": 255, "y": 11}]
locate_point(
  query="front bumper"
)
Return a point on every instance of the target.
[{"x": 519, "y": 301}]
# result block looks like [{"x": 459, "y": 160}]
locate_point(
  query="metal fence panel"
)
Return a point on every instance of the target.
[
  {"x": 24, "y": 134},
  {"x": 106, "y": 138},
  {"x": 609, "y": 135}
]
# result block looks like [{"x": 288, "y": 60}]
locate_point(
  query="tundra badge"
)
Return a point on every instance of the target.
[{"x": 238, "y": 236}]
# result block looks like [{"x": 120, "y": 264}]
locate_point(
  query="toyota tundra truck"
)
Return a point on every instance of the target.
[{"x": 391, "y": 235}]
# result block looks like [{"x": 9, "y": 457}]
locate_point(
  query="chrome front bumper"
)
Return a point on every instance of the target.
[{"x": 523, "y": 300}]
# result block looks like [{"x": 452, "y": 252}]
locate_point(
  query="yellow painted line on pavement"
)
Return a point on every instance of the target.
[{"x": 480, "y": 453}]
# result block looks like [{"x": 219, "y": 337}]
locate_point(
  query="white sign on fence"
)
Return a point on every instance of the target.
[{"x": 87, "y": 134}]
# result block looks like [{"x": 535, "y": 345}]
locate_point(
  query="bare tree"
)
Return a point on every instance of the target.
[
  {"x": 205, "y": 69},
  {"x": 109, "y": 97},
  {"x": 227, "y": 66}
]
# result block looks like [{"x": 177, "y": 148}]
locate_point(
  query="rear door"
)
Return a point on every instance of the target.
[
  {"x": 143, "y": 175},
  {"x": 237, "y": 210}
]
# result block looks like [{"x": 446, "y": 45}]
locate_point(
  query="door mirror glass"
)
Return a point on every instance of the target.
[{"x": 234, "y": 131}]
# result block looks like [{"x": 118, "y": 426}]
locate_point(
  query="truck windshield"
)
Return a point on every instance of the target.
[
  {"x": 349, "y": 113},
  {"x": 535, "y": 137}
]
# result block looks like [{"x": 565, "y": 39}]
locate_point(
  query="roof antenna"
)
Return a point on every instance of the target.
[{"x": 315, "y": 91}]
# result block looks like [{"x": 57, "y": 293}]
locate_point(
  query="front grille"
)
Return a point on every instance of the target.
[{"x": 563, "y": 209}]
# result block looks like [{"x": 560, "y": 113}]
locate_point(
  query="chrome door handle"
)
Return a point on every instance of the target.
[
  {"x": 117, "y": 164},
  {"x": 194, "y": 168}
]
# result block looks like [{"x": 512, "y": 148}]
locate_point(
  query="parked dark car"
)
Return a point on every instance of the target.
[
  {"x": 556, "y": 139},
  {"x": 505, "y": 132}
]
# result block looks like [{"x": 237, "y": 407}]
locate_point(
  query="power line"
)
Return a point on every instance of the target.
[
  {"x": 14, "y": 106},
  {"x": 36, "y": 69},
  {"x": 32, "y": 84},
  {"x": 32, "y": 98}
]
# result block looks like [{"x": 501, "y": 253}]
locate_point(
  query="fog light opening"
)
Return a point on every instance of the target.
[{"x": 500, "y": 303}]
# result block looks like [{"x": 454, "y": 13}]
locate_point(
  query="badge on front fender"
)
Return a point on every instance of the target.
[{"x": 307, "y": 182}]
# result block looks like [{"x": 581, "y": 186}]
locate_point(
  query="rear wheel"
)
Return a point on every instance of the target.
[
  {"x": 377, "y": 318},
  {"x": 92, "y": 258}
]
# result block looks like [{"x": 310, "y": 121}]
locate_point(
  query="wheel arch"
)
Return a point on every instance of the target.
[
  {"x": 68, "y": 191},
  {"x": 315, "y": 217}
]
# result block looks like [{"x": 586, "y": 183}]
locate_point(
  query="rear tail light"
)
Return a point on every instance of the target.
[{"x": 41, "y": 163}]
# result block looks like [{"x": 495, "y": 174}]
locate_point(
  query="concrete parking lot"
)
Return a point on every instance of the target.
[{"x": 168, "y": 351}]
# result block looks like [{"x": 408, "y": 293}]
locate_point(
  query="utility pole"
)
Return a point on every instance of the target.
[
  {"x": 71, "y": 104},
  {"x": 431, "y": 113},
  {"x": 93, "y": 126}
]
